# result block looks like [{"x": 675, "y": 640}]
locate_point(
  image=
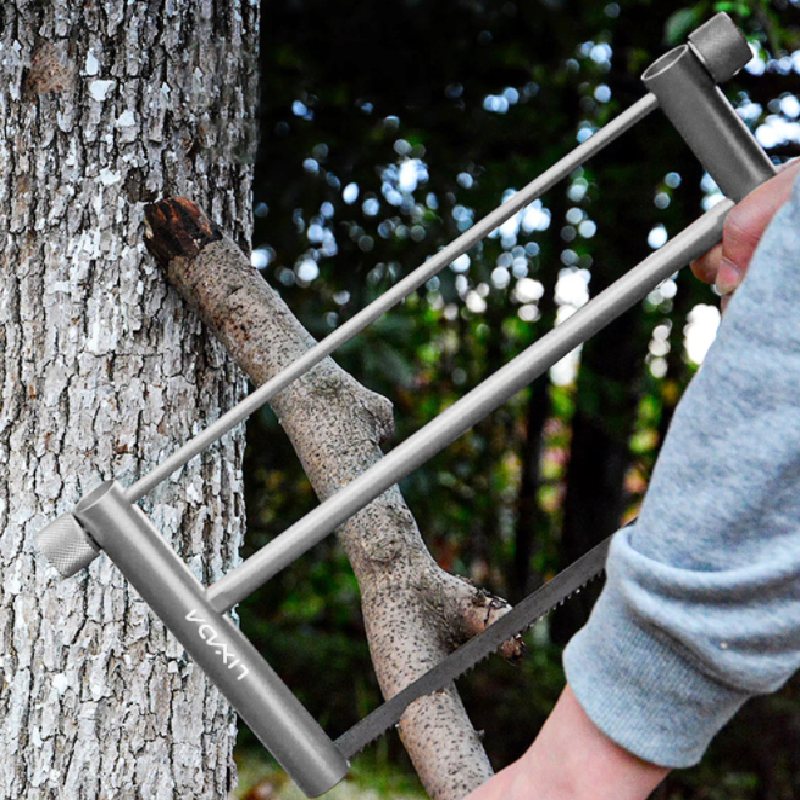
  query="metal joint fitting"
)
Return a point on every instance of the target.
[{"x": 683, "y": 82}]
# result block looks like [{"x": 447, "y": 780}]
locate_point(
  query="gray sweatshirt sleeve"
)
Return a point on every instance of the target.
[{"x": 701, "y": 606}]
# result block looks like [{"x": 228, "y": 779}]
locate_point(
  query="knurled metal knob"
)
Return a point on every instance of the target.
[{"x": 66, "y": 545}]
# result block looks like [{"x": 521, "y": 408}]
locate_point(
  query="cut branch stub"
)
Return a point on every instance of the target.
[{"x": 177, "y": 227}]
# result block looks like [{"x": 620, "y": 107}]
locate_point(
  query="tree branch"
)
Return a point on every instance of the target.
[{"x": 414, "y": 612}]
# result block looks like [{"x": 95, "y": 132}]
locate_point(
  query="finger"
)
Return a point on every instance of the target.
[
  {"x": 729, "y": 275},
  {"x": 705, "y": 268},
  {"x": 746, "y": 222}
]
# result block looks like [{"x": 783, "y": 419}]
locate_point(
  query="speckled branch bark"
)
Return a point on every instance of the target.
[{"x": 414, "y": 611}]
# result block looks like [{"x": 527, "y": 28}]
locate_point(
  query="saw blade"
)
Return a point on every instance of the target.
[{"x": 517, "y": 620}]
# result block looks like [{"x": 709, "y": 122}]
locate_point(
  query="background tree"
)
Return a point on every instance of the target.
[{"x": 105, "y": 105}]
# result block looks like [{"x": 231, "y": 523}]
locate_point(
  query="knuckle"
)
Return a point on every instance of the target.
[{"x": 738, "y": 231}]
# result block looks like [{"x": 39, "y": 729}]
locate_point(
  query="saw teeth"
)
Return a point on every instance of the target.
[{"x": 485, "y": 656}]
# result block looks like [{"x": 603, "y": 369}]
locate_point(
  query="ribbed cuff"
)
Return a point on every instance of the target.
[{"x": 643, "y": 690}]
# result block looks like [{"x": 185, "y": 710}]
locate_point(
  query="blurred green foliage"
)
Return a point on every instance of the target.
[{"x": 387, "y": 128}]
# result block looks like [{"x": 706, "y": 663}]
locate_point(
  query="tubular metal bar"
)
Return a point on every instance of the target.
[
  {"x": 707, "y": 122},
  {"x": 390, "y": 298},
  {"x": 273, "y": 713},
  {"x": 692, "y": 242}
]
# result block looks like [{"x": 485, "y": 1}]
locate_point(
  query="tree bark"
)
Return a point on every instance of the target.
[
  {"x": 414, "y": 612},
  {"x": 103, "y": 105}
]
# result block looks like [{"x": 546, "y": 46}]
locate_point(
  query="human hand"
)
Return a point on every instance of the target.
[
  {"x": 725, "y": 264},
  {"x": 572, "y": 759}
]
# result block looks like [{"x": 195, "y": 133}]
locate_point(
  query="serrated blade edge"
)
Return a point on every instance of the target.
[{"x": 518, "y": 619}]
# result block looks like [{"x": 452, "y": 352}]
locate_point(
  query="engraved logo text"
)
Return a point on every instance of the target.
[{"x": 211, "y": 637}]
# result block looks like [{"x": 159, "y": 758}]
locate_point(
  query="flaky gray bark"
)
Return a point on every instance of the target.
[
  {"x": 414, "y": 612},
  {"x": 106, "y": 104}
]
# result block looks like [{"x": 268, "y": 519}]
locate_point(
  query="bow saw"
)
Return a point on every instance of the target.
[{"x": 683, "y": 83}]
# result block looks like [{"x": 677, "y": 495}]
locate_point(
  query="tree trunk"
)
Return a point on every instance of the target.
[
  {"x": 531, "y": 526},
  {"x": 612, "y": 361},
  {"x": 414, "y": 612},
  {"x": 103, "y": 371}
]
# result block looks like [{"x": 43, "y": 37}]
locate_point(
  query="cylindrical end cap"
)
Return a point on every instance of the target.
[
  {"x": 721, "y": 47},
  {"x": 66, "y": 545}
]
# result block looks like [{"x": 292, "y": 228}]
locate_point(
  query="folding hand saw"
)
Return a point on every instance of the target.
[{"x": 683, "y": 83}]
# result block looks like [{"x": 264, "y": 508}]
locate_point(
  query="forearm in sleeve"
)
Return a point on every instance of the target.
[{"x": 701, "y": 607}]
